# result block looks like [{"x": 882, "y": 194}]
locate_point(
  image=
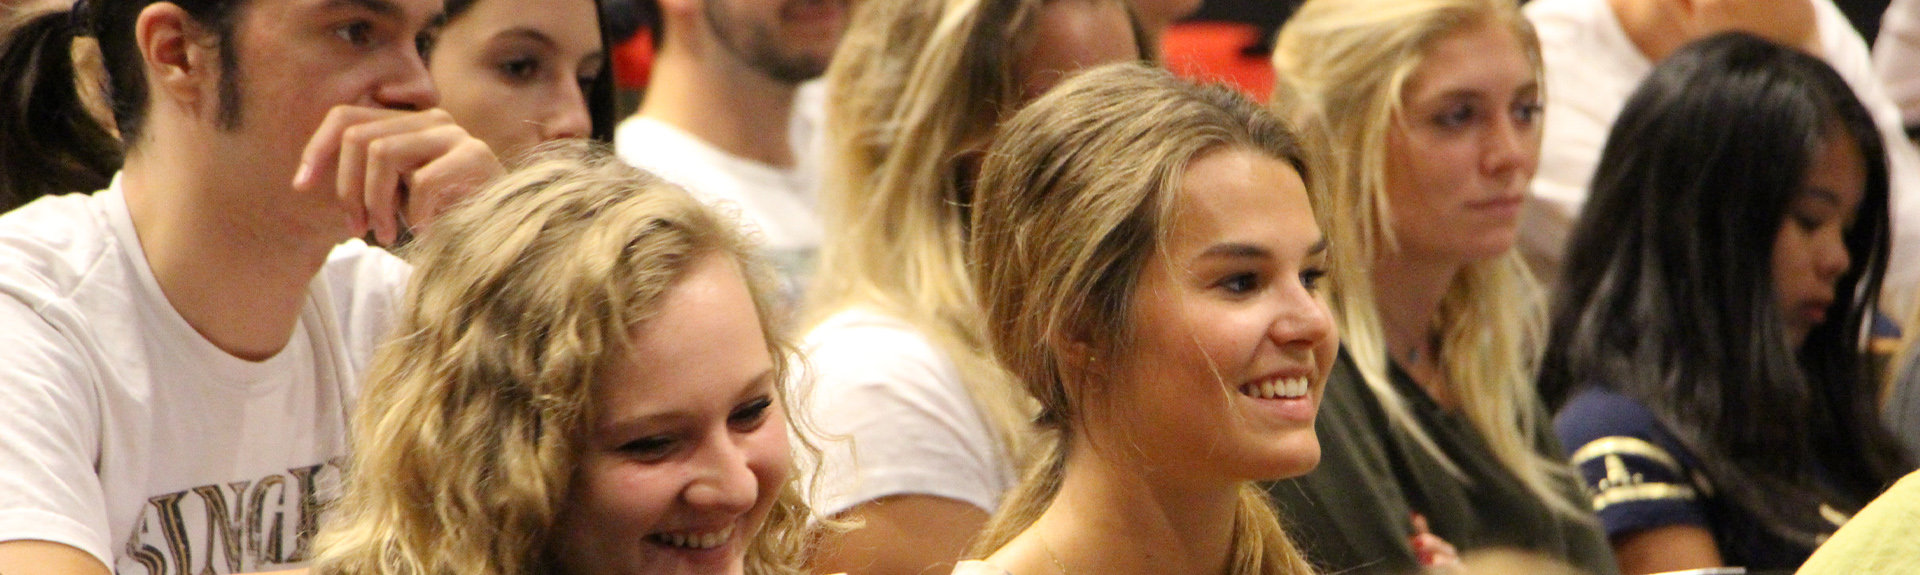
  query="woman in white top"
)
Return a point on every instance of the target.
[{"x": 1148, "y": 259}]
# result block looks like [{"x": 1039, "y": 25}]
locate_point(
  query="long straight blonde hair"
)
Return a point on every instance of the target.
[
  {"x": 474, "y": 416},
  {"x": 914, "y": 85},
  {"x": 1074, "y": 198},
  {"x": 1343, "y": 68}
]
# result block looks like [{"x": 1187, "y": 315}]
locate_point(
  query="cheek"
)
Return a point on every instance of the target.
[{"x": 769, "y": 456}]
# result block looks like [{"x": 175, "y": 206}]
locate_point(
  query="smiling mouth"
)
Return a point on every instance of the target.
[
  {"x": 693, "y": 540},
  {"x": 1277, "y": 388}
]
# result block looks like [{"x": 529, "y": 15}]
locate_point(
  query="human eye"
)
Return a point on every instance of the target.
[
  {"x": 1239, "y": 283},
  {"x": 1528, "y": 111},
  {"x": 651, "y": 448},
  {"x": 1456, "y": 116},
  {"x": 358, "y": 33},
  {"x": 751, "y": 414},
  {"x": 424, "y": 42},
  {"x": 1310, "y": 278},
  {"x": 520, "y": 69}
]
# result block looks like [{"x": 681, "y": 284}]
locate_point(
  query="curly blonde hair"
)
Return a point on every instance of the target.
[{"x": 474, "y": 416}]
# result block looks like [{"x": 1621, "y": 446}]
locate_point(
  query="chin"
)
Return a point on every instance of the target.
[{"x": 1288, "y": 458}]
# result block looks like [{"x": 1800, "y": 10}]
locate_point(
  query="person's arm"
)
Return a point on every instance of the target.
[
  {"x": 901, "y": 535},
  {"x": 1667, "y": 548},
  {"x": 47, "y": 558}
]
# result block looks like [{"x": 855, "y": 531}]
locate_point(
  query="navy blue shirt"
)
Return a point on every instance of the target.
[{"x": 1641, "y": 477}]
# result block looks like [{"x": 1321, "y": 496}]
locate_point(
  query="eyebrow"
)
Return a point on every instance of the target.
[
  {"x": 381, "y": 7},
  {"x": 1822, "y": 194},
  {"x": 1246, "y": 250},
  {"x": 765, "y": 379},
  {"x": 528, "y": 33}
]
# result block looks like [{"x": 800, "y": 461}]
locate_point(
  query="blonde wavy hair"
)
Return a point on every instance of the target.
[
  {"x": 474, "y": 416},
  {"x": 914, "y": 85},
  {"x": 1074, "y": 197},
  {"x": 1343, "y": 68}
]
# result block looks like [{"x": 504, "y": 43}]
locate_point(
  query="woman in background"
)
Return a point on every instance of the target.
[
  {"x": 583, "y": 382},
  {"x": 516, "y": 73},
  {"x": 1707, "y": 337},
  {"x": 1433, "y": 107},
  {"x": 1148, "y": 261},
  {"x": 935, "y": 434}
]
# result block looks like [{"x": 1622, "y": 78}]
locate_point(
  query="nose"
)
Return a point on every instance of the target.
[
  {"x": 571, "y": 118},
  {"x": 1303, "y": 320},
  {"x": 1832, "y": 258},
  {"x": 722, "y": 482},
  {"x": 410, "y": 87},
  {"x": 1510, "y": 145}
]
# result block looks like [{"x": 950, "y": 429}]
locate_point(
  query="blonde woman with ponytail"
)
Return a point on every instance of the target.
[
  {"x": 1148, "y": 259},
  {"x": 1430, "y": 109},
  {"x": 925, "y": 432}
]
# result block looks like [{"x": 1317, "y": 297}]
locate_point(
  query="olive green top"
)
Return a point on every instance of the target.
[{"x": 1352, "y": 513}]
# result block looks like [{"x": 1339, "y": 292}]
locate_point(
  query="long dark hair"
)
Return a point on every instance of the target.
[
  {"x": 1668, "y": 296},
  {"x": 50, "y": 143}
]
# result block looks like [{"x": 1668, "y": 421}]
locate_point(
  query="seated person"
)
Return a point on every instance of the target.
[
  {"x": 1706, "y": 346},
  {"x": 584, "y": 382},
  {"x": 1149, "y": 263},
  {"x": 1430, "y": 112}
]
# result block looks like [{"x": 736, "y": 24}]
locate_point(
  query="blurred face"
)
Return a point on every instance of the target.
[
  {"x": 1233, "y": 343},
  {"x": 297, "y": 59},
  {"x": 514, "y": 72},
  {"x": 788, "y": 40},
  {"x": 1789, "y": 22},
  {"x": 1810, "y": 253},
  {"x": 1466, "y": 143},
  {"x": 690, "y": 446},
  {"x": 1072, "y": 35}
]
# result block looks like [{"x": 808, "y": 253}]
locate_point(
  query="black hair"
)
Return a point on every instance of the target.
[
  {"x": 599, "y": 93},
  {"x": 47, "y": 119},
  {"x": 1667, "y": 294}
]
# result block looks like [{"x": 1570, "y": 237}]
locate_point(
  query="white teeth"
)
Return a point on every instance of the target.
[
  {"x": 695, "y": 540},
  {"x": 1277, "y": 388}
]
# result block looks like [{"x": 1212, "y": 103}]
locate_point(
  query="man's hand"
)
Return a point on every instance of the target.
[{"x": 393, "y": 170}]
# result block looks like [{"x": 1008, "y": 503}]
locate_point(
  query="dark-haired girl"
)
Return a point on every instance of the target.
[{"x": 1706, "y": 349}]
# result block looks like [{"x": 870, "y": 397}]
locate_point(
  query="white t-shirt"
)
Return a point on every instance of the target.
[
  {"x": 1592, "y": 67},
  {"x": 1896, "y": 57},
  {"x": 778, "y": 204},
  {"x": 126, "y": 434},
  {"x": 896, "y": 419}
]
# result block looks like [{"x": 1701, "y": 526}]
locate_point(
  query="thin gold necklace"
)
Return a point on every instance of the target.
[{"x": 1044, "y": 546}]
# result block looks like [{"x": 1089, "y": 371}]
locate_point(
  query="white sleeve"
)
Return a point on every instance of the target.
[
  {"x": 1896, "y": 56},
  {"x": 49, "y": 437},
  {"x": 896, "y": 420}
]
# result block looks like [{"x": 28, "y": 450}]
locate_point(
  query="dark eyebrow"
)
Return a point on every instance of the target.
[
  {"x": 1319, "y": 247},
  {"x": 1823, "y": 194},
  {"x": 528, "y": 33},
  {"x": 1236, "y": 250},
  {"x": 381, "y": 7}
]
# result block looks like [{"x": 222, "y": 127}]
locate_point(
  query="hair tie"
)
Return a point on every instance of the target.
[{"x": 80, "y": 19}]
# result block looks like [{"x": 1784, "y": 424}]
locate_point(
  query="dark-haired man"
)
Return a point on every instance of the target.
[
  {"x": 178, "y": 352},
  {"x": 720, "y": 104}
]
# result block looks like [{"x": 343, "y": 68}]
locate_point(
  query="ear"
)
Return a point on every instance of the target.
[{"x": 181, "y": 61}]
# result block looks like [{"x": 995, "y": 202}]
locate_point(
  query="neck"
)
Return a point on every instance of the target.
[
  {"x": 236, "y": 274},
  {"x": 1408, "y": 292},
  {"x": 700, "y": 88},
  {"x": 1120, "y": 518}
]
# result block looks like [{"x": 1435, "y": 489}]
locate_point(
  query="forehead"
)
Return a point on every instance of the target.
[
  {"x": 1838, "y": 170},
  {"x": 1236, "y": 195},
  {"x": 703, "y": 348},
  {"x": 1483, "y": 57},
  {"x": 564, "y": 22}
]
